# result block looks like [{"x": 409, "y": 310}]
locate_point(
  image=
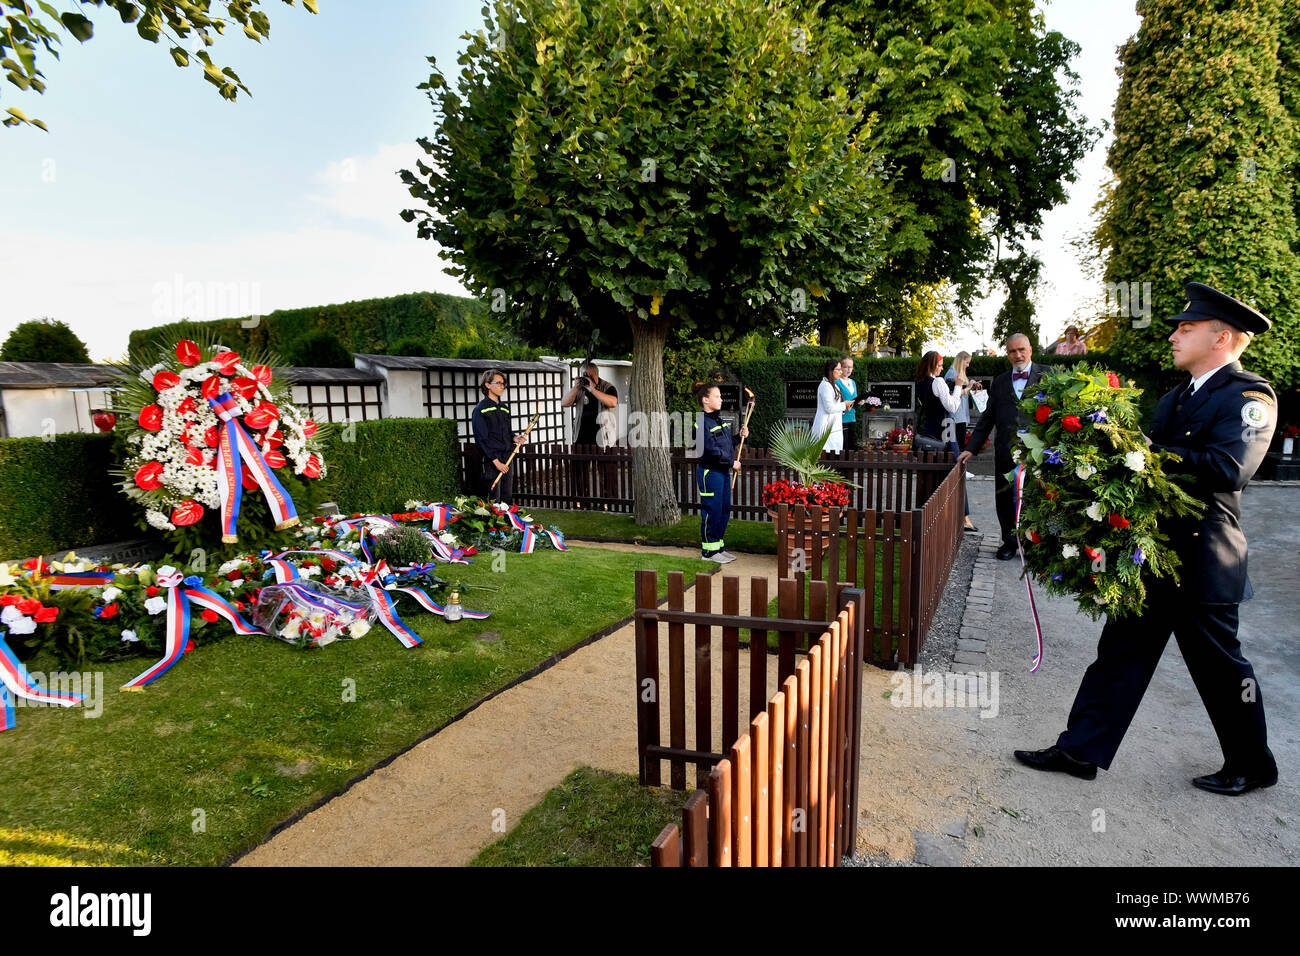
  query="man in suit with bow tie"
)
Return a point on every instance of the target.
[
  {"x": 1003, "y": 413},
  {"x": 1220, "y": 424}
]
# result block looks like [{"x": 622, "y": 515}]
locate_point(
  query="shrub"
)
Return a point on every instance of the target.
[
  {"x": 319, "y": 350},
  {"x": 409, "y": 346},
  {"x": 403, "y": 546},
  {"x": 391, "y": 461},
  {"x": 43, "y": 340}
]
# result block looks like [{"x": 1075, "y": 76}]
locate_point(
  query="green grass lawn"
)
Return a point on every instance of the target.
[
  {"x": 242, "y": 733},
  {"x": 593, "y": 818},
  {"x": 758, "y": 537}
]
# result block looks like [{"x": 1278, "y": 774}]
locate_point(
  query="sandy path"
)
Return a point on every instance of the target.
[{"x": 437, "y": 803}]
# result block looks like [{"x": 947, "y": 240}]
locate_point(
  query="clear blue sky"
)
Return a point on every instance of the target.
[{"x": 148, "y": 181}]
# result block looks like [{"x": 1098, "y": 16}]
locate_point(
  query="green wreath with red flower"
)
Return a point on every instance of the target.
[
  {"x": 1094, "y": 493},
  {"x": 171, "y": 431}
]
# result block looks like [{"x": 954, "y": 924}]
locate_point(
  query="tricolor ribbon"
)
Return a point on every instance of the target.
[
  {"x": 16, "y": 682},
  {"x": 236, "y": 446},
  {"x": 1019, "y": 483},
  {"x": 529, "y": 542},
  {"x": 516, "y": 522},
  {"x": 79, "y": 579},
  {"x": 440, "y": 515},
  {"x": 180, "y": 594}
]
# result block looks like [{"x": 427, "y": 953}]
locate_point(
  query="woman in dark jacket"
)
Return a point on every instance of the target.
[{"x": 938, "y": 404}]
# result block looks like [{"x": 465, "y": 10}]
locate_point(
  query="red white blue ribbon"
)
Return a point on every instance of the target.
[
  {"x": 16, "y": 682},
  {"x": 387, "y": 612},
  {"x": 530, "y": 540},
  {"x": 439, "y": 514},
  {"x": 508, "y": 513},
  {"x": 1020, "y": 473},
  {"x": 179, "y": 597},
  {"x": 236, "y": 446}
]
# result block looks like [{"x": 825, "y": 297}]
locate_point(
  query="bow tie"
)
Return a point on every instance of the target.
[{"x": 1019, "y": 376}]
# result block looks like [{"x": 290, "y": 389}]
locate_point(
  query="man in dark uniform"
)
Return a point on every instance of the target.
[
  {"x": 1220, "y": 424},
  {"x": 1003, "y": 412},
  {"x": 494, "y": 436}
]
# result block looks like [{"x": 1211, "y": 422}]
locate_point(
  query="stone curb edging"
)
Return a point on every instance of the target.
[{"x": 977, "y": 620}]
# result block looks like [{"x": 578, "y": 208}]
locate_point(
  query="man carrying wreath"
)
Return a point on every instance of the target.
[{"x": 1219, "y": 423}]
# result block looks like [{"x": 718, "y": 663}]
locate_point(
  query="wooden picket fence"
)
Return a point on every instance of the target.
[
  {"x": 785, "y": 791},
  {"x": 900, "y": 559},
  {"x": 570, "y": 476}
]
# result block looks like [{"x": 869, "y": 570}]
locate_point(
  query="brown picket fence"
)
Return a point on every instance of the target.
[
  {"x": 559, "y": 476},
  {"x": 900, "y": 559},
  {"x": 817, "y": 716},
  {"x": 786, "y": 792}
]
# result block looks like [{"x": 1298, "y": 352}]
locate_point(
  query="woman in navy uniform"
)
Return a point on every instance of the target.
[
  {"x": 494, "y": 436},
  {"x": 1220, "y": 424},
  {"x": 713, "y": 473}
]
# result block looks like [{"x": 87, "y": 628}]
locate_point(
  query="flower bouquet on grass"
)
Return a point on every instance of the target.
[{"x": 1094, "y": 493}]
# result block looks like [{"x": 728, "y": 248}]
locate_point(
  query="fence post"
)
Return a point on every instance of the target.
[
  {"x": 855, "y": 600},
  {"x": 647, "y": 678}
]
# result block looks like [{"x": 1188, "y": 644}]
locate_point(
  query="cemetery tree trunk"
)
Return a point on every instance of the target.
[{"x": 652, "y": 478}]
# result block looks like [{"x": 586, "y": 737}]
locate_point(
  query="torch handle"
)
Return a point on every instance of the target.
[
  {"x": 515, "y": 451},
  {"x": 749, "y": 410}
]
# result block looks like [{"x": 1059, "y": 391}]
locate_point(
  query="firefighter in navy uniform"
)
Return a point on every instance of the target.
[
  {"x": 713, "y": 473},
  {"x": 494, "y": 436},
  {"x": 1220, "y": 424}
]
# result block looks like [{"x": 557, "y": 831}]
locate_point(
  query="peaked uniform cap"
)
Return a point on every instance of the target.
[{"x": 1204, "y": 303}]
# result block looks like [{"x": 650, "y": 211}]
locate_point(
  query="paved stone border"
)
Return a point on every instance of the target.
[{"x": 976, "y": 623}]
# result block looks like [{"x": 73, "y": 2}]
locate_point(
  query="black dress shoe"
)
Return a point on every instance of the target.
[
  {"x": 1007, "y": 552},
  {"x": 1233, "y": 785},
  {"x": 1054, "y": 758}
]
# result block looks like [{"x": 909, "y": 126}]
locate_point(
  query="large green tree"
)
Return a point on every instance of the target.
[
  {"x": 43, "y": 340},
  {"x": 1206, "y": 154},
  {"x": 975, "y": 107},
  {"x": 1019, "y": 276},
  {"x": 29, "y": 28},
  {"x": 630, "y": 166}
]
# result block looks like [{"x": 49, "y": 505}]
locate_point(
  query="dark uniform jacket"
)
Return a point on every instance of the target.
[
  {"x": 1221, "y": 433},
  {"x": 719, "y": 448},
  {"x": 1002, "y": 412},
  {"x": 492, "y": 431}
]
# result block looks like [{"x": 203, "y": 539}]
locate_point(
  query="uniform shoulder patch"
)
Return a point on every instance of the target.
[
  {"x": 1254, "y": 414},
  {"x": 1264, "y": 397}
]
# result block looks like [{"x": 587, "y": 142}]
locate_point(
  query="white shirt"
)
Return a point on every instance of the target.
[
  {"x": 947, "y": 398},
  {"x": 1018, "y": 386},
  {"x": 1198, "y": 382}
]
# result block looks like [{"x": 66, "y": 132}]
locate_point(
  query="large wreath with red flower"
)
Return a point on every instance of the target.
[
  {"x": 1094, "y": 493},
  {"x": 172, "y": 415}
]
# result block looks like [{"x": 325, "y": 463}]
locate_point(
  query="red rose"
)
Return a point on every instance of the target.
[
  {"x": 46, "y": 614},
  {"x": 151, "y": 591},
  {"x": 165, "y": 380},
  {"x": 235, "y": 575},
  {"x": 1071, "y": 423},
  {"x": 1113, "y": 379},
  {"x": 28, "y": 606},
  {"x": 329, "y": 564},
  {"x": 210, "y": 615},
  {"x": 109, "y": 610},
  {"x": 148, "y": 477},
  {"x": 9, "y": 600},
  {"x": 150, "y": 418},
  {"x": 1042, "y": 414},
  {"x": 1034, "y": 537},
  {"x": 187, "y": 512},
  {"x": 1118, "y": 521},
  {"x": 187, "y": 352}
]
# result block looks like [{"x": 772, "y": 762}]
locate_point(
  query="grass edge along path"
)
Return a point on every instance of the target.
[
  {"x": 756, "y": 537},
  {"x": 244, "y": 733},
  {"x": 592, "y": 818}
]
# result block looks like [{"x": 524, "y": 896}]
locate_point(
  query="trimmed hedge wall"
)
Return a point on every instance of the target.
[
  {"x": 59, "y": 494},
  {"x": 393, "y": 460},
  {"x": 767, "y": 378},
  {"x": 369, "y": 325}
]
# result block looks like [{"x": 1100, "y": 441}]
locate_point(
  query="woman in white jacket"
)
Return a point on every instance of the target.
[{"x": 830, "y": 408}]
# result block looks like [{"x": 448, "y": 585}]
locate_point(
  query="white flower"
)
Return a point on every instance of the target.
[
  {"x": 229, "y": 566},
  {"x": 1015, "y": 454},
  {"x": 10, "y": 614},
  {"x": 359, "y": 628},
  {"x": 1136, "y": 460},
  {"x": 155, "y": 605},
  {"x": 309, "y": 572},
  {"x": 165, "y": 571},
  {"x": 129, "y": 636},
  {"x": 1099, "y": 599},
  {"x": 1094, "y": 511},
  {"x": 1070, "y": 551},
  {"x": 111, "y": 594},
  {"x": 159, "y": 520},
  {"x": 24, "y": 625},
  {"x": 1085, "y": 471}
]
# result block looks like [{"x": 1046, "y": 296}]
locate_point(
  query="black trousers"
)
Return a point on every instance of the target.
[
  {"x": 1127, "y": 655},
  {"x": 850, "y": 435},
  {"x": 1004, "y": 497},
  {"x": 504, "y": 487}
]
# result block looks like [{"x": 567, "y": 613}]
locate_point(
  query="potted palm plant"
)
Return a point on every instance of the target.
[{"x": 795, "y": 447}]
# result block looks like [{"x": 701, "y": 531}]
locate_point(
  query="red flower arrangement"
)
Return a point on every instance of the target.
[{"x": 827, "y": 494}]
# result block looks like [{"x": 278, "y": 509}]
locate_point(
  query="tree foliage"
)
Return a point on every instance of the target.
[
  {"x": 975, "y": 107},
  {"x": 1206, "y": 154},
  {"x": 625, "y": 166},
  {"x": 1019, "y": 275},
  {"x": 43, "y": 340},
  {"x": 29, "y": 29}
]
